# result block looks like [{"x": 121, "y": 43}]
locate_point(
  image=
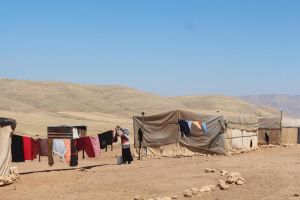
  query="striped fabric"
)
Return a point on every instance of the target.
[{"x": 60, "y": 132}]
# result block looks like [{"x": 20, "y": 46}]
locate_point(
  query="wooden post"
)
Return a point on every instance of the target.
[{"x": 281, "y": 116}]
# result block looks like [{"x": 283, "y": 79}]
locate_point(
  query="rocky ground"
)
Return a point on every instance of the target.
[{"x": 269, "y": 173}]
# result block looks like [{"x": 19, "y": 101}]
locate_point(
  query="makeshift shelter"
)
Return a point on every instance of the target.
[
  {"x": 278, "y": 131},
  {"x": 162, "y": 136},
  {"x": 7, "y": 127}
]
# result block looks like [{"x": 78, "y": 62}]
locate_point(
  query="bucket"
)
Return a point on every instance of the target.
[{"x": 119, "y": 160}]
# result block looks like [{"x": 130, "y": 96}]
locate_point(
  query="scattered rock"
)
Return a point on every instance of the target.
[
  {"x": 296, "y": 195},
  {"x": 195, "y": 191},
  {"x": 223, "y": 185},
  {"x": 166, "y": 198},
  {"x": 240, "y": 182},
  {"x": 174, "y": 197},
  {"x": 138, "y": 197},
  {"x": 209, "y": 170},
  {"x": 234, "y": 177},
  {"x": 223, "y": 172},
  {"x": 205, "y": 189},
  {"x": 60, "y": 196},
  {"x": 188, "y": 193}
]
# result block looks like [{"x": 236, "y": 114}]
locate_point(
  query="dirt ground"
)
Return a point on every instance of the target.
[{"x": 270, "y": 174}]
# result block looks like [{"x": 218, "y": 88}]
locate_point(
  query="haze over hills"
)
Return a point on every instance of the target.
[
  {"x": 288, "y": 103},
  {"x": 36, "y": 104}
]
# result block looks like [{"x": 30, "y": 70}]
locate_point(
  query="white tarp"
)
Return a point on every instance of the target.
[{"x": 5, "y": 152}]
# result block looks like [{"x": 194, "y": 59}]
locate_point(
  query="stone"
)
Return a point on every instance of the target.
[
  {"x": 174, "y": 197},
  {"x": 14, "y": 170},
  {"x": 166, "y": 198},
  {"x": 233, "y": 177},
  {"x": 188, "y": 193},
  {"x": 296, "y": 195},
  {"x": 205, "y": 189},
  {"x": 223, "y": 185},
  {"x": 137, "y": 197},
  {"x": 223, "y": 172},
  {"x": 240, "y": 182},
  {"x": 209, "y": 170},
  {"x": 213, "y": 187},
  {"x": 195, "y": 191},
  {"x": 230, "y": 180}
]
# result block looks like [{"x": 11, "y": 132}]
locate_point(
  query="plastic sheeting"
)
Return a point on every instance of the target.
[{"x": 5, "y": 152}]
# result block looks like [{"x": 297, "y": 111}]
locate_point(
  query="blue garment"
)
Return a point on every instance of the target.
[{"x": 204, "y": 127}]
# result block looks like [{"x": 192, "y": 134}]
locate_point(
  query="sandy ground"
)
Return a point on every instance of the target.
[{"x": 269, "y": 173}]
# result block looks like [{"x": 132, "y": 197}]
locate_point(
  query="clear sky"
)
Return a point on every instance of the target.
[{"x": 169, "y": 47}]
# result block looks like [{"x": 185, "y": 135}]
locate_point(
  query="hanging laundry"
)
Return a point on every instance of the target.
[
  {"x": 43, "y": 147},
  {"x": 62, "y": 132},
  {"x": 197, "y": 124},
  {"x": 190, "y": 124},
  {"x": 204, "y": 127},
  {"x": 75, "y": 133},
  {"x": 96, "y": 145},
  {"x": 35, "y": 148},
  {"x": 79, "y": 144},
  {"x": 67, "y": 143},
  {"x": 27, "y": 146},
  {"x": 17, "y": 149},
  {"x": 106, "y": 139},
  {"x": 88, "y": 147},
  {"x": 50, "y": 149},
  {"x": 184, "y": 128},
  {"x": 59, "y": 147},
  {"x": 74, "y": 154}
]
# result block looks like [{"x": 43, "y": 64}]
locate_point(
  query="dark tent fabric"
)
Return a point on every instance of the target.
[
  {"x": 17, "y": 148},
  {"x": 163, "y": 129},
  {"x": 8, "y": 122}
]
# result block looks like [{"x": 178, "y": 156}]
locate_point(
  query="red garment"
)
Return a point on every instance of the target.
[
  {"x": 27, "y": 145},
  {"x": 79, "y": 144},
  {"x": 35, "y": 148},
  {"x": 88, "y": 147}
]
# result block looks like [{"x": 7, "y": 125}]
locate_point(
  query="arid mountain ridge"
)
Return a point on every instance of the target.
[{"x": 36, "y": 104}]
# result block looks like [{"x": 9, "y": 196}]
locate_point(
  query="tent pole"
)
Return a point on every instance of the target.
[{"x": 281, "y": 113}]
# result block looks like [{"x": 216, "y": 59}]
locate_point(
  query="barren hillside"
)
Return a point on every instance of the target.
[
  {"x": 38, "y": 104},
  {"x": 287, "y": 103}
]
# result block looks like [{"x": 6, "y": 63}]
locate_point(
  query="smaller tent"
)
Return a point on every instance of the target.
[
  {"x": 278, "y": 131},
  {"x": 7, "y": 127},
  {"x": 162, "y": 134}
]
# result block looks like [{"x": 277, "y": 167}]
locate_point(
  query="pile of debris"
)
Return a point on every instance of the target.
[{"x": 13, "y": 176}]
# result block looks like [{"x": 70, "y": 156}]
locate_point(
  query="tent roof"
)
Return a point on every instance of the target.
[
  {"x": 242, "y": 122},
  {"x": 8, "y": 122},
  {"x": 274, "y": 123}
]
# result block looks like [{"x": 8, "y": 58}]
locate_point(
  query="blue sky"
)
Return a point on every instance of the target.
[{"x": 169, "y": 47}]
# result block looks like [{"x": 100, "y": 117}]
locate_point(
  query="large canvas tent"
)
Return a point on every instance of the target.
[
  {"x": 7, "y": 126},
  {"x": 161, "y": 133},
  {"x": 279, "y": 130}
]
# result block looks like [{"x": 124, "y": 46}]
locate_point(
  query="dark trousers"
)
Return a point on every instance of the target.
[{"x": 126, "y": 154}]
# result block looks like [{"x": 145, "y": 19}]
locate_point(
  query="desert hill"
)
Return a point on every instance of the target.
[
  {"x": 36, "y": 104},
  {"x": 287, "y": 103}
]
